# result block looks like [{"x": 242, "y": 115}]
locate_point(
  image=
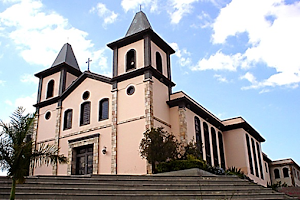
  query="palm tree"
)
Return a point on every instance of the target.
[{"x": 16, "y": 154}]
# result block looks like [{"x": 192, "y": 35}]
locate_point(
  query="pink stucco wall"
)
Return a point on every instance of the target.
[
  {"x": 131, "y": 106},
  {"x": 160, "y": 97},
  {"x": 129, "y": 160},
  {"x": 69, "y": 79},
  {"x": 74, "y": 100},
  {"x": 46, "y": 128}
]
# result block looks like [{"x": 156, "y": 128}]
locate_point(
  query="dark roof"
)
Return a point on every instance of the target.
[
  {"x": 73, "y": 86},
  {"x": 139, "y": 28},
  {"x": 194, "y": 106},
  {"x": 138, "y": 24},
  {"x": 244, "y": 125},
  {"x": 66, "y": 55}
]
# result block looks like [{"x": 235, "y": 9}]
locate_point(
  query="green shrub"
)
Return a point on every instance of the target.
[{"x": 190, "y": 162}]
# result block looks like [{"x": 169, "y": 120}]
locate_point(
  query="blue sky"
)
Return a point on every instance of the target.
[{"x": 236, "y": 58}]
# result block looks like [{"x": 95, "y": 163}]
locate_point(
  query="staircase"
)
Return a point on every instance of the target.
[{"x": 138, "y": 187}]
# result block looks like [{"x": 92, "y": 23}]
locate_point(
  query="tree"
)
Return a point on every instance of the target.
[
  {"x": 192, "y": 148},
  {"x": 158, "y": 146},
  {"x": 16, "y": 148}
]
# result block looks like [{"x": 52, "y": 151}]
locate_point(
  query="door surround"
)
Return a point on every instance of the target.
[{"x": 83, "y": 141}]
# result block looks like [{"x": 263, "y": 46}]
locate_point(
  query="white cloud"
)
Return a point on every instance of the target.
[
  {"x": 29, "y": 78},
  {"x": 27, "y": 103},
  {"x": 8, "y": 102},
  {"x": 273, "y": 38},
  {"x": 179, "y": 8},
  {"x": 2, "y": 82},
  {"x": 39, "y": 34},
  {"x": 219, "y": 61},
  {"x": 249, "y": 77},
  {"x": 205, "y": 20},
  {"x": 108, "y": 16},
  {"x": 290, "y": 80},
  {"x": 183, "y": 55},
  {"x": 221, "y": 78},
  {"x": 135, "y": 4}
]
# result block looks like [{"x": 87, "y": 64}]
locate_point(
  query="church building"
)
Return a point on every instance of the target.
[{"x": 98, "y": 122}]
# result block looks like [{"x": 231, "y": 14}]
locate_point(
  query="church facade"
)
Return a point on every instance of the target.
[{"x": 98, "y": 122}]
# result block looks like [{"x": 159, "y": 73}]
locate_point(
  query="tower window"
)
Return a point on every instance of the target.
[
  {"x": 68, "y": 119},
  {"x": 158, "y": 62},
  {"x": 285, "y": 172},
  {"x": 48, "y": 115},
  {"x": 85, "y": 113},
  {"x": 130, "y": 60},
  {"x": 276, "y": 173},
  {"x": 130, "y": 90},
  {"x": 50, "y": 88},
  {"x": 103, "y": 109}
]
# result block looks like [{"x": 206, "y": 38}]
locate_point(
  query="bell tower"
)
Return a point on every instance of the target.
[
  {"x": 52, "y": 83},
  {"x": 141, "y": 86}
]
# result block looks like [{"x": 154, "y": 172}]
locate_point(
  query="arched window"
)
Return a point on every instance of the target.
[
  {"x": 254, "y": 156},
  {"x": 276, "y": 173},
  {"x": 50, "y": 88},
  {"x": 158, "y": 62},
  {"x": 259, "y": 161},
  {"x": 215, "y": 148},
  {"x": 130, "y": 60},
  {"x": 207, "y": 143},
  {"x": 198, "y": 135},
  {"x": 249, "y": 154},
  {"x": 221, "y": 147},
  {"x": 85, "y": 113},
  {"x": 103, "y": 109},
  {"x": 285, "y": 172},
  {"x": 68, "y": 119}
]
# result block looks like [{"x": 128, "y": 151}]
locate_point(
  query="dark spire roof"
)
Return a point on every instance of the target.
[
  {"x": 139, "y": 23},
  {"x": 66, "y": 55}
]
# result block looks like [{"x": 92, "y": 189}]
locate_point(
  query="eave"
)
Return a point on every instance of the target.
[{"x": 139, "y": 36}]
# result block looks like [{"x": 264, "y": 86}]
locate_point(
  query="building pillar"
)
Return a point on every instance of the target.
[
  {"x": 114, "y": 132},
  {"x": 149, "y": 104},
  {"x": 33, "y": 138},
  {"x": 57, "y": 135},
  {"x": 182, "y": 125}
]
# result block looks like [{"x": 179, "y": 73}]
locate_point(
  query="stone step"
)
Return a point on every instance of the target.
[
  {"x": 137, "y": 187},
  {"x": 145, "y": 196},
  {"x": 129, "y": 185},
  {"x": 136, "y": 179},
  {"x": 124, "y": 190}
]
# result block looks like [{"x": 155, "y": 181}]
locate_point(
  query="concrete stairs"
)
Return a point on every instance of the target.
[{"x": 138, "y": 187}]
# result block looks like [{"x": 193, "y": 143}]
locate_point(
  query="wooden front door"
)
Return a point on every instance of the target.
[{"x": 84, "y": 160}]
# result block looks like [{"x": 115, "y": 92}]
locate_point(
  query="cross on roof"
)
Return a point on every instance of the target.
[{"x": 88, "y": 62}]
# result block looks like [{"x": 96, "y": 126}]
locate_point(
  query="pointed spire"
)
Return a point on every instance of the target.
[
  {"x": 66, "y": 55},
  {"x": 138, "y": 24}
]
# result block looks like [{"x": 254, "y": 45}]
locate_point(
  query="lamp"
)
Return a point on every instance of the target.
[{"x": 104, "y": 150}]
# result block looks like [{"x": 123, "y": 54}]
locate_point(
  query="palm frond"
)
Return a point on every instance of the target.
[{"x": 46, "y": 154}]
